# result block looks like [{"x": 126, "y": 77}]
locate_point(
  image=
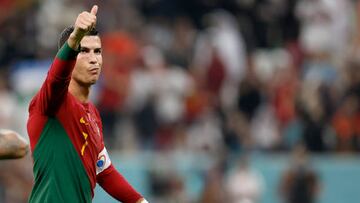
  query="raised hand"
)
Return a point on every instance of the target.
[{"x": 83, "y": 24}]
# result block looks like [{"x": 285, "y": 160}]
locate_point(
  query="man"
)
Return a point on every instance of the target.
[
  {"x": 65, "y": 129},
  {"x": 12, "y": 145}
]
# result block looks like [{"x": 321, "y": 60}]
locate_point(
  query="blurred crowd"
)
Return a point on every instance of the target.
[{"x": 211, "y": 76}]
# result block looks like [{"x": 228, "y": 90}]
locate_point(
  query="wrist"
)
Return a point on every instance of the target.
[
  {"x": 66, "y": 52},
  {"x": 74, "y": 41}
]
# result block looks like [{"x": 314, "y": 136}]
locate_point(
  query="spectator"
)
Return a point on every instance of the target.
[
  {"x": 214, "y": 191},
  {"x": 244, "y": 184},
  {"x": 299, "y": 183}
]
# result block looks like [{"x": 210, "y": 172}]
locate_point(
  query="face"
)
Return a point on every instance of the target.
[{"x": 89, "y": 61}]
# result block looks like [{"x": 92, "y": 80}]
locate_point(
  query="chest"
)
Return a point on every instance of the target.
[{"x": 84, "y": 126}]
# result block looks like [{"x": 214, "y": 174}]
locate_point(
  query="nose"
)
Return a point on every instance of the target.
[{"x": 92, "y": 58}]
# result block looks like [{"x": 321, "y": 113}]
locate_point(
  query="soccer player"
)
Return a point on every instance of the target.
[
  {"x": 12, "y": 145},
  {"x": 65, "y": 129}
]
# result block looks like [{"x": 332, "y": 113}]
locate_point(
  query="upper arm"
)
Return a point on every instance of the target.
[
  {"x": 103, "y": 161},
  {"x": 12, "y": 145}
]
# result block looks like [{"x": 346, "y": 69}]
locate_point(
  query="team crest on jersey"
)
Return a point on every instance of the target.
[{"x": 103, "y": 161}]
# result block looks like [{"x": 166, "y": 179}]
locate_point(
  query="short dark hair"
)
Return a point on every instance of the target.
[{"x": 65, "y": 34}]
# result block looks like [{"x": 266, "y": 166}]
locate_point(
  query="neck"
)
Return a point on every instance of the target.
[{"x": 80, "y": 92}]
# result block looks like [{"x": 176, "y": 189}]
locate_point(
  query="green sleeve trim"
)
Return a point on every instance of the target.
[{"x": 66, "y": 53}]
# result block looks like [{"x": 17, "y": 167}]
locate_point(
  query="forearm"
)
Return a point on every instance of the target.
[
  {"x": 12, "y": 145},
  {"x": 63, "y": 63},
  {"x": 116, "y": 185},
  {"x": 55, "y": 87}
]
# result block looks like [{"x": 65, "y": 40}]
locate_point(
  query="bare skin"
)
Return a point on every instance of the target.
[
  {"x": 12, "y": 145},
  {"x": 87, "y": 68}
]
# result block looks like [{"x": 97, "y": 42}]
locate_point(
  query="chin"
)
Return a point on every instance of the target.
[{"x": 93, "y": 82}]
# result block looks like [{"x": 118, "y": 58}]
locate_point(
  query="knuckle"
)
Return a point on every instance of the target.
[{"x": 82, "y": 14}]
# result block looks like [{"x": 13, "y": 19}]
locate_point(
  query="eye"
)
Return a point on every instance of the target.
[
  {"x": 97, "y": 51},
  {"x": 84, "y": 50}
]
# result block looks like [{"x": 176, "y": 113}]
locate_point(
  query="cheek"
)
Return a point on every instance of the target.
[
  {"x": 78, "y": 72},
  {"x": 75, "y": 74},
  {"x": 100, "y": 61}
]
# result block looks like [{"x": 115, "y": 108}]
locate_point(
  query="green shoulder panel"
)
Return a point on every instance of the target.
[{"x": 60, "y": 176}]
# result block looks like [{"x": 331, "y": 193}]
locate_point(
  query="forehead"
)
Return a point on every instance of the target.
[{"x": 91, "y": 42}]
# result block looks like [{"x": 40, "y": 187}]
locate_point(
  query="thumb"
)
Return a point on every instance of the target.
[{"x": 94, "y": 10}]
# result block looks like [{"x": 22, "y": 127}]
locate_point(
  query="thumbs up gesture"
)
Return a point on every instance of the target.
[{"x": 83, "y": 24}]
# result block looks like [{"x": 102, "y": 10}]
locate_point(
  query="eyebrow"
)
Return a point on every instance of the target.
[
  {"x": 87, "y": 49},
  {"x": 84, "y": 48}
]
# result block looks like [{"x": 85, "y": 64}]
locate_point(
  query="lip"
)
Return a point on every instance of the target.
[{"x": 94, "y": 70}]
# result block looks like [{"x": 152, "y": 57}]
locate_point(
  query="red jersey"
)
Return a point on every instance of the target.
[{"x": 67, "y": 142}]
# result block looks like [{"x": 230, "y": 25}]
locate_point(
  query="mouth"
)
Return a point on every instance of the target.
[{"x": 94, "y": 70}]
